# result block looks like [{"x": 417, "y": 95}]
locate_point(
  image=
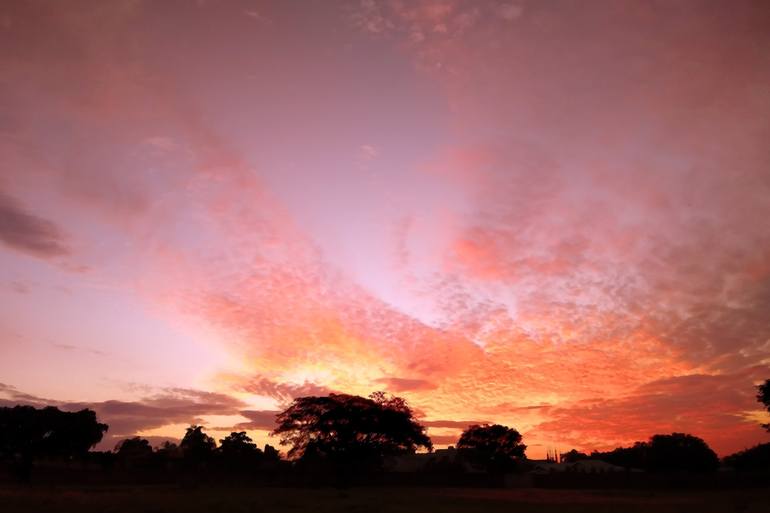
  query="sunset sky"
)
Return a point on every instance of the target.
[{"x": 553, "y": 215}]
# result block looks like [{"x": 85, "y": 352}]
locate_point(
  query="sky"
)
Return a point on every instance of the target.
[{"x": 553, "y": 215}]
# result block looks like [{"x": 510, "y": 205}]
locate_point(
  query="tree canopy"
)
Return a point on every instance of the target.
[
  {"x": 135, "y": 447},
  {"x": 755, "y": 459},
  {"x": 573, "y": 456},
  {"x": 665, "y": 453},
  {"x": 497, "y": 447},
  {"x": 238, "y": 444},
  {"x": 27, "y": 432},
  {"x": 680, "y": 451},
  {"x": 196, "y": 444},
  {"x": 350, "y": 428},
  {"x": 627, "y": 457}
]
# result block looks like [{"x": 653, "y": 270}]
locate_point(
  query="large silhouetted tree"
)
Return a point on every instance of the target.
[
  {"x": 28, "y": 434},
  {"x": 26, "y": 431},
  {"x": 349, "y": 429},
  {"x": 498, "y": 448},
  {"x": 763, "y": 396}
]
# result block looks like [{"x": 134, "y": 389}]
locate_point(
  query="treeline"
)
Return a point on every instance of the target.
[
  {"x": 235, "y": 452},
  {"x": 674, "y": 452},
  {"x": 339, "y": 434}
]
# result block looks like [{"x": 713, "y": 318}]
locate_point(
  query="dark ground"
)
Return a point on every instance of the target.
[{"x": 159, "y": 499}]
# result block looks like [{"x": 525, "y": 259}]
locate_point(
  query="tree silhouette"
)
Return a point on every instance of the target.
[
  {"x": 498, "y": 448},
  {"x": 271, "y": 453},
  {"x": 133, "y": 452},
  {"x": 168, "y": 454},
  {"x": 665, "y": 453},
  {"x": 197, "y": 445},
  {"x": 754, "y": 459},
  {"x": 238, "y": 444},
  {"x": 350, "y": 429},
  {"x": 48, "y": 432},
  {"x": 70, "y": 434},
  {"x": 763, "y": 396},
  {"x": 239, "y": 452},
  {"x": 28, "y": 433},
  {"x": 169, "y": 450},
  {"x": 134, "y": 448},
  {"x": 627, "y": 457},
  {"x": 680, "y": 452},
  {"x": 573, "y": 456}
]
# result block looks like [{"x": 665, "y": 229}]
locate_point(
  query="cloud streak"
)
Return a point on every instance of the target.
[{"x": 23, "y": 231}]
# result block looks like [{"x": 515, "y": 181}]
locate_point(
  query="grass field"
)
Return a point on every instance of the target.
[{"x": 148, "y": 499}]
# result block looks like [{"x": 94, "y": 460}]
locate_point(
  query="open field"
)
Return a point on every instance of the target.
[{"x": 160, "y": 499}]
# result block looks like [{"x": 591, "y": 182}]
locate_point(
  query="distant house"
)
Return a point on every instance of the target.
[
  {"x": 588, "y": 466},
  {"x": 449, "y": 459},
  {"x": 406, "y": 462},
  {"x": 596, "y": 466},
  {"x": 439, "y": 459},
  {"x": 546, "y": 467}
]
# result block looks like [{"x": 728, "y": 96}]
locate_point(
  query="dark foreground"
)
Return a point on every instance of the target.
[{"x": 159, "y": 499}]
